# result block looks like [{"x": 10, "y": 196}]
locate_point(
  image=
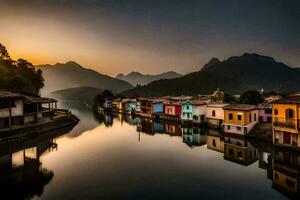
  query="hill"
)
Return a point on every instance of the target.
[
  {"x": 76, "y": 94},
  {"x": 142, "y": 79},
  {"x": 71, "y": 74},
  {"x": 234, "y": 75}
]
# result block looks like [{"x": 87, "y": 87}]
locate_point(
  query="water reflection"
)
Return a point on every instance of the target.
[
  {"x": 282, "y": 166},
  {"x": 22, "y": 174},
  {"x": 122, "y": 156}
]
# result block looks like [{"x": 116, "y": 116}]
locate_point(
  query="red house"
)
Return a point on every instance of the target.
[{"x": 172, "y": 110}]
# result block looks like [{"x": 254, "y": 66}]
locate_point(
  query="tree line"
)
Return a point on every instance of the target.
[{"x": 19, "y": 75}]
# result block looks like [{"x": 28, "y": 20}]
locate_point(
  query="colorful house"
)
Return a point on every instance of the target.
[
  {"x": 157, "y": 106},
  {"x": 146, "y": 107},
  {"x": 172, "y": 110},
  {"x": 199, "y": 111},
  {"x": 240, "y": 118},
  {"x": 265, "y": 112},
  {"x": 187, "y": 111},
  {"x": 286, "y": 121},
  {"x": 215, "y": 114},
  {"x": 130, "y": 105}
]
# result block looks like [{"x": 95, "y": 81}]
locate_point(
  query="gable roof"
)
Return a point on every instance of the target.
[
  {"x": 242, "y": 107},
  {"x": 291, "y": 99}
]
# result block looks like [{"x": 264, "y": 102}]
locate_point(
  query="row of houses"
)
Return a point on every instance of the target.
[{"x": 234, "y": 118}]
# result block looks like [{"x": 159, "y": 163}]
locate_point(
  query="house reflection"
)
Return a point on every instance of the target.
[
  {"x": 215, "y": 141},
  {"x": 105, "y": 118},
  {"x": 286, "y": 168},
  {"x": 282, "y": 166},
  {"x": 193, "y": 136},
  {"x": 22, "y": 175},
  {"x": 239, "y": 150}
]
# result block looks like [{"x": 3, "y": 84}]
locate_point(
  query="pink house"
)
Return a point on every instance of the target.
[
  {"x": 265, "y": 112},
  {"x": 172, "y": 109}
]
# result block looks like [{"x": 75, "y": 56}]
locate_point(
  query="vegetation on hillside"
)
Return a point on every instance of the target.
[{"x": 19, "y": 75}]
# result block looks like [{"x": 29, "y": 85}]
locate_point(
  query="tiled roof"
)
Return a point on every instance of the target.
[
  {"x": 198, "y": 102},
  {"x": 243, "y": 107},
  {"x": 26, "y": 97},
  {"x": 217, "y": 105},
  {"x": 291, "y": 99}
]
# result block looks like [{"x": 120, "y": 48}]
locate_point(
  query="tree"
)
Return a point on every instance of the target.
[
  {"x": 19, "y": 75},
  {"x": 251, "y": 97}
]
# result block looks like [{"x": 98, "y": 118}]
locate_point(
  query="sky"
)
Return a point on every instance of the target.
[{"x": 149, "y": 36}]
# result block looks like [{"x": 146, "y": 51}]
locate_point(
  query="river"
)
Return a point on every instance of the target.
[{"x": 119, "y": 157}]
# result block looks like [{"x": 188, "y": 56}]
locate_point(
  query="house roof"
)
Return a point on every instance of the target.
[
  {"x": 8, "y": 94},
  {"x": 265, "y": 105},
  {"x": 28, "y": 99},
  {"x": 198, "y": 102},
  {"x": 217, "y": 105},
  {"x": 31, "y": 99},
  {"x": 291, "y": 99},
  {"x": 242, "y": 107}
]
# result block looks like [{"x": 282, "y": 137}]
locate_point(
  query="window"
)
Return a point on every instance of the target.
[
  {"x": 276, "y": 112},
  {"x": 239, "y": 117},
  {"x": 187, "y": 107},
  {"x": 202, "y": 117},
  {"x": 213, "y": 113},
  {"x": 290, "y": 113},
  {"x": 255, "y": 117},
  {"x": 268, "y": 111},
  {"x": 5, "y": 103},
  {"x": 230, "y": 116},
  {"x": 250, "y": 117},
  {"x": 290, "y": 183},
  {"x": 231, "y": 151},
  {"x": 228, "y": 127},
  {"x": 214, "y": 143},
  {"x": 240, "y": 155}
]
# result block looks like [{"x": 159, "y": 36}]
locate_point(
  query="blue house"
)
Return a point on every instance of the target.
[{"x": 157, "y": 107}]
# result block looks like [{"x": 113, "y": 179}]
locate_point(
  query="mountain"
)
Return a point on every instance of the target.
[
  {"x": 234, "y": 75},
  {"x": 71, "y": 74},
  {"x": 142, "y": 79},
  {"x": 79, "y": 94}
]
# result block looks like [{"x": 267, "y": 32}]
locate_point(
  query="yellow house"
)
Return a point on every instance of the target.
[
  {"x": 240, "y": 118},
  {"x": 286, "y": 116}
]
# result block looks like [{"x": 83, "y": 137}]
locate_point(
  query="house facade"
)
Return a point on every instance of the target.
[
  {"x": 215, "y": 114},
  {"x": 187, "y": 111},
  {"x": 199, "y": 111},
  {"x": 265, "y": 112},
  {"x": 157, "y": 107},
  {"x": 146, "y": 107},
  {"x": 23, "y": 109},
  {"x": 240, "y": 118},
  {"x": 172, "y": 110},
  {"x": 286, "y": 121}
]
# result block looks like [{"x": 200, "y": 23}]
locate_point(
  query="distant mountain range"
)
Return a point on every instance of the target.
[
  {"x": 71, "y": 74},
  {"x": 136, "y": 78},
  {"x": 234, "y": 75},
  {"x": 84, "y": 94}
]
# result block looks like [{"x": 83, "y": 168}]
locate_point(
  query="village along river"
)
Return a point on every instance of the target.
[{"x": 118, "y": 157}]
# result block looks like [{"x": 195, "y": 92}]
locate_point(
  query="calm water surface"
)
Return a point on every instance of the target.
[{"x": 106, "y": 157}]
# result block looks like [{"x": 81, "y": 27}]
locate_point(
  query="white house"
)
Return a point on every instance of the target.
[
  {"x": 199, "y": 111},
  {"x": 215, "y": 114}
]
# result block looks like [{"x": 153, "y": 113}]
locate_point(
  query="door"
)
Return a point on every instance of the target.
[{"x": 286, "y": 138}]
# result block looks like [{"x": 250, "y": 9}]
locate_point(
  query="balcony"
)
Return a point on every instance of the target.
[{"x": 284, "y": 122}]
